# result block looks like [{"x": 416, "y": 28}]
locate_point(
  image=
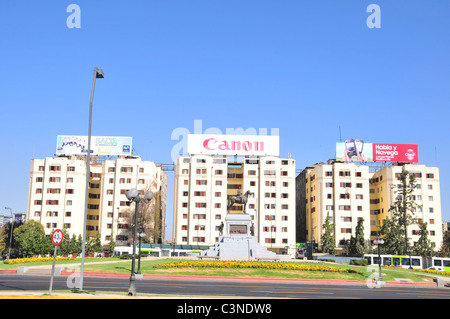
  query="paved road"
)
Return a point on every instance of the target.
[{"x": 226, "y": 288}]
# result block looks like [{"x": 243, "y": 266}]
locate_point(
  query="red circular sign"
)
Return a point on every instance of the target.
[{"x": 57, "y": 237}]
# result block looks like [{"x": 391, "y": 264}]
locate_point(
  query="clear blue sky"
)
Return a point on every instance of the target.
[{"x": 308, "y": 68}]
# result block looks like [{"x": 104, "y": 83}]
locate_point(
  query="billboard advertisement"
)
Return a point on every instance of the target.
[
  {"x": 240, "y": 145},
  {"x": 358, "y": 150},
  {"x": 100, "y": 145}
]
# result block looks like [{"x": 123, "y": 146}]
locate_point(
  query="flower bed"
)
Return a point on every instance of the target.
[
  {"x": 255, "y": 265},
  {"x": 31, "y": 260},
  {"x": 436, "y": 272}
]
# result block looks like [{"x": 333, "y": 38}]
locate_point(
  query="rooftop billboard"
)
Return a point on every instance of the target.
[
  {"x": 240, "y": 145},
  {"x": 358, "y": 150},
  {"x": 100, "y": 145}
]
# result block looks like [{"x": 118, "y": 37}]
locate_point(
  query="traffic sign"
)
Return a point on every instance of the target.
[{"x": 57, "y": 237}]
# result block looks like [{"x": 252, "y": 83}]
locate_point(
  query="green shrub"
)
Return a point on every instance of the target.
[
  {"x": 126, "y": 256},
  {"x": 361, "y": 262}
]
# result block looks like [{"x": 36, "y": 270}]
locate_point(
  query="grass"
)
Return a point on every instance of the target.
[{"x": 148, "y": 267}]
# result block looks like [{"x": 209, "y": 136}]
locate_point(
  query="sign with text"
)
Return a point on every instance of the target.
[
  {"x": 251, "y": 145},
  {"x": 57, "y": 237},
  {"x": 100, "y": 145},
  {"x": 358, "y": 150}
]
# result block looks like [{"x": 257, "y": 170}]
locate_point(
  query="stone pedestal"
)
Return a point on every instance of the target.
[{"x": 238, "y": 241}]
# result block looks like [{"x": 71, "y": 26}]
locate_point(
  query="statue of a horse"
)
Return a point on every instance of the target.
[{"x": 238, "y": 199}]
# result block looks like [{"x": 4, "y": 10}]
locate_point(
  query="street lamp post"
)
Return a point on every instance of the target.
[
  {"x": 410, "y": 259},
  {"x": 98, "y": 74},
  {"x": 379, "y": 242},
  {"x": 10, "y": 236},
  {"x": 133, "y": 196},
  {"x": 141, "y": 234}
]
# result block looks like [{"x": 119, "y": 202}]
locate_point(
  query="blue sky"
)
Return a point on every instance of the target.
[{"x": 312, "y": 69}]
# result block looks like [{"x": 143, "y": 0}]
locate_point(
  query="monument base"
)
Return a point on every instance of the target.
[{"x": 238, "y": 241}]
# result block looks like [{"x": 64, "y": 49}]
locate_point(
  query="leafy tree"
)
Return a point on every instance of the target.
[
  {"x": 358, "y": 245},
  {"x": 6, "y": 235},
  {"x": 93, "y": 245},
  {"x": 64, "y": 247},
  {"x": 392, "y": 236},
  {"x": 112, "y": 245},
  {"x": 31, "y": 239},
  {"x": 445, "y": 248},
  {"x": 78, "y": 245},
  {"x": 423, "y": 245},
  {"x": 404, "y": 205},
  {"x": 328, "y": 238}
]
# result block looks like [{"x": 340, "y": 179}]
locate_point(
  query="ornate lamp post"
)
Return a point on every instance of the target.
[{"x": 133, "y": 196}]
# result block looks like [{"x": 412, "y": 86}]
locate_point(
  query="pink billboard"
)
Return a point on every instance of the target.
[
  {"x": 358, "y": 150},
  {"x": 384, "y": 152}
]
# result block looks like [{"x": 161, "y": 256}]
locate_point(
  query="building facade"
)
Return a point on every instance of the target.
[
  {"x": 57, "y": 193},
  {"x": 337, "y": 190},
  {"x": 385, "y": 187},
  {"x": 203, "y": 184},
  {"x": 348, "y": 192}
]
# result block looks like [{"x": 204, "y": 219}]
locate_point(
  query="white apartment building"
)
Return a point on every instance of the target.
[
  {"x": 204, "y": 182},
  {"x": 347, "y": 192},
  {"x": 57, "y": 191},
  {"x": 338, "y": 190}
]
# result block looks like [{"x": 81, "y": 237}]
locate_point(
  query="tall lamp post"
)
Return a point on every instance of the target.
[
  {"x": 98, "y": 74},
  {"x": 133, "y": 196},
  {"x": 10, "y": 236},
  {"x": 379, "y": 242}
]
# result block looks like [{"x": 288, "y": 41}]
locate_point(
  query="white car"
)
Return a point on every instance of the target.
[{"x": 436, "y": 268}]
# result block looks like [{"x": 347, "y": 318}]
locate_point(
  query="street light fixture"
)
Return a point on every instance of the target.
[
  {"x": 98, "y": 74},
  {"x": 10, "y": 236},
  {"x": 133, "y": 196}
]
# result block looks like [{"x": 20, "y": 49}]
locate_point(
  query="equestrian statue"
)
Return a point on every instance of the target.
[{"x": 238, "y": 199}]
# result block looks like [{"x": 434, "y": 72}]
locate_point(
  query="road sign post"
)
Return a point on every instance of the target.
[{"x": 57, "y": 238}]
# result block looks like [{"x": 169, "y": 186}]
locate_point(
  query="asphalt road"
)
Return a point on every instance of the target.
[{"x": 199, "y": 288}]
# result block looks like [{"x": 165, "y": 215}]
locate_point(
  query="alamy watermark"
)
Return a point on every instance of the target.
[{"x": 73, "y": 21}]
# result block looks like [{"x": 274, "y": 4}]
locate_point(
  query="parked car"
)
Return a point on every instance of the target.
[{"x": 436, "y": 268}]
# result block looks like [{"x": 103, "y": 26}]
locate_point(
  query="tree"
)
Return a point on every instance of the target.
[
  {"x": 445, "y": 248},
  {"x": 423, "y": 245},
  {"x": 328, "y": 239},
  {"x": 392, "y": 236},
  {"x": 31, "y": 239},
  {"x": 404, "y": 205},
  {"x": 6, "y": 235},
  {"x": 358, "y": 245},
  {"x": 112, "y": 245}
]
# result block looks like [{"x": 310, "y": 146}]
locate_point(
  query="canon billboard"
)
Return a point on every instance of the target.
[
  {"x": 240, "y": 145},
  {"x": 357, "y": 150}
]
